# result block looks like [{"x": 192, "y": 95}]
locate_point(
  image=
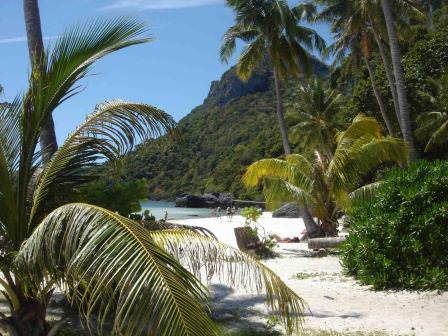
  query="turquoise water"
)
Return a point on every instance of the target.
[{"x": 158, "y": 209}]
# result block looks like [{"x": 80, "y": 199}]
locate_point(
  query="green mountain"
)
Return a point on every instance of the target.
[{"x": 235, "y": 126}]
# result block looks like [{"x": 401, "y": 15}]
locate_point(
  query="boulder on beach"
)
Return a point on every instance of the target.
[
  {"x": 288, "y": 210},
  {"x": 209, "y": 200}
]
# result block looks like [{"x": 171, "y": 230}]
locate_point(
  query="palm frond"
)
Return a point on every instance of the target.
[
  {"x": 10, "y": 133},
  {"x": 365, "y": 192},
  {"x": 111, "y": 265},
  {"x": 201, "y": 254},
  {"x": 361, "y": 127},
  {"x": 439, "y": 137},
  {"x": 295, "y": 171},
  {"x": 113, "y": 129},
  {"x": 278, "y": 191},
  {"x": 74, "y": 53},
  {"x": 250, "y": 58}
]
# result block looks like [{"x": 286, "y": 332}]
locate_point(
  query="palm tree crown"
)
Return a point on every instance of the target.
[
  {"x": 270, "y": 28},
  {"x": 314, "y": 114},
  {"x": 271, "y": 31},
  {"x": 325, "y": 184}
]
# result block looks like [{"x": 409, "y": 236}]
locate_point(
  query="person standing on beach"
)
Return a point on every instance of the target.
[{"x": 218, "y": 215}]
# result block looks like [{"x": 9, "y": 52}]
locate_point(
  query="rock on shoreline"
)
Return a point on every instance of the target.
[
  {"x": 210, "y": 200},
  {"x": 288, "y": 210}
]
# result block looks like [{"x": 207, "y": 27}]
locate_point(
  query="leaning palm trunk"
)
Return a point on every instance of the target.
[
  {"x": 406, "y": 128},
  {"x": 389, "y": 74},
  {"x": 378, "y": 98},
  {"x": 312, "y": 228},
  {"x": 48, "y": 141},
  {"x": 280, "y": 114}
]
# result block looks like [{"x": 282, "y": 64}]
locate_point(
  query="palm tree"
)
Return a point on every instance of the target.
[
  {"x": 315, "y": 117},
  {"x": 406, "y": 127},
  {"x": 271, "y": 30},
  {"x": 105, "y": 263},
  {"x": 324, "y": 184},
  {"x": 36, "y": 51},
  {"x": 351, "y": 23}
]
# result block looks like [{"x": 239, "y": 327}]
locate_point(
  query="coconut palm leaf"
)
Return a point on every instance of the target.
[
  {"x": 367, "y": 191},
  {"x": 250, "y": 58},
  {"x": 277, "y": 191},
  {"x": 108, "y": 133},
  {"x": 76, "y": 50},
  {"x": 10, "y": 118},
  {"x": 201, "y": 253},
  {"x": 112, "y": 266},
  {"x": 297, "y": 171}
]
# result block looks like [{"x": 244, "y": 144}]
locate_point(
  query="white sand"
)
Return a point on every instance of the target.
[
  {"x": 223, "y": 227},
  {"x": 336, "y": 302}
]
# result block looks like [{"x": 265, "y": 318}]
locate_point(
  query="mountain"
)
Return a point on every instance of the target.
[{"x": 235, "y": 126}]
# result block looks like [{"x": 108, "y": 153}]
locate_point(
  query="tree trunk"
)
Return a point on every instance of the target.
[
  {"x": 280, "y": 116},
  {"x": 28, "y": 316},
  {"x": 389, "y": 74},
  {"x": 311, "y": 226},
  {"x": 406, "y": 128},
  {"x": 378, "y": 98},
  {"x": 329, "y": 242},
  {"x": 313, "y": 230},
  {"x": 48, "y": 141}
]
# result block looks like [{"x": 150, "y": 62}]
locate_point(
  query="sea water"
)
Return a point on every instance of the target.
[{"x": 159, "y": 208}]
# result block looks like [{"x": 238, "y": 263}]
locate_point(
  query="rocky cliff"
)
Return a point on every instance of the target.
[{"x": 235, "y": 126}]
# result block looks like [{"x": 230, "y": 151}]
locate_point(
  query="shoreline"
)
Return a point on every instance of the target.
[{"x": 223, "y": 227}]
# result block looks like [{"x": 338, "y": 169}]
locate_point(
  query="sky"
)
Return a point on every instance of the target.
[{"x": 173, "y": 72}]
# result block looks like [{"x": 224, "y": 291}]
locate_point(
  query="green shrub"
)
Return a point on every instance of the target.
[
  {"x": 250, "y": 214},
  {"x": 116, "y": 195},
  {"x": 400, "y": 238}
]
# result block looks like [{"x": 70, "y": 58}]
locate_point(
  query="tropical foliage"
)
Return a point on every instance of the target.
[
  {"x": 399, "y": 238},
  {"x": 117, "y": 195},
  {"x": 314, "y": 114},
  {"x": 105, "y": 263},
  {"x": 271, "y": 31},
  {"x": 327, "y": 184},
  {"x": 433, "y": 125}
]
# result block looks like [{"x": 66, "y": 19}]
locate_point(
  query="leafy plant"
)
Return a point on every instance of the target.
[
  {"x": 433, "y": 125},
  {"x": 272, "y": 32},
  {"x": 400, "y": 237},
  {"x": 251, "y": 215},
  {"x": 314, "y": 115},
  {"x": 105, "y": 263},
  {"x": 327, "y": 184},
  {"x": 120, "y": 196}
]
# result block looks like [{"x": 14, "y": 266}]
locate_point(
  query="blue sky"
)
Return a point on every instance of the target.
[{"x": 173, "y": 72}]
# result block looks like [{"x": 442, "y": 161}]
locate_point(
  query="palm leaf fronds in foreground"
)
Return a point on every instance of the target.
[{"x": 205, "y": 256}]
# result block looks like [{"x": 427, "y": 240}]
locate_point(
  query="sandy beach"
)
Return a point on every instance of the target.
[{"x": 336, "y": 302}]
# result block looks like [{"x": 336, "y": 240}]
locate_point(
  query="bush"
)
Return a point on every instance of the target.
[
  {"x": 120, "y": 196},
  {"x": 400, "y": 238}
]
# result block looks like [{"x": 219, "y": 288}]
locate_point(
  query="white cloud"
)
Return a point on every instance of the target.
[
  {"x": 20, "y": 39},
  {"x": 162, "y": 4}
]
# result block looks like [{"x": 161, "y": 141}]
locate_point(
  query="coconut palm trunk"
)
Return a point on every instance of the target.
[
  {"x": 280, "y": 114},
  {"x": 311, "y": 226},
  {"x": 48, "y": 142},
  {"x": 378, "y": 98},
  {"x": 389, "y": 74},
  {"x": 406, "y": 128}
]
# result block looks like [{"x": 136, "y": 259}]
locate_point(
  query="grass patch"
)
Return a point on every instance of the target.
[{"x": 304, "y": 275}]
